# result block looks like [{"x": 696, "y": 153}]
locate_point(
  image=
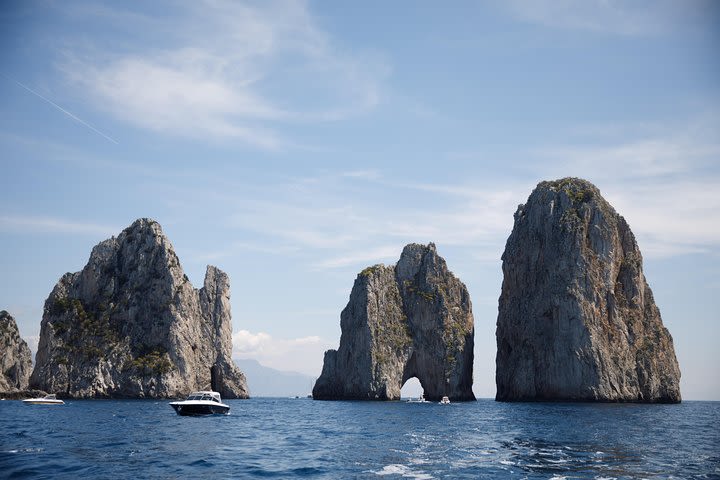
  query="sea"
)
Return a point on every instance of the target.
[{"x": 302, "y": 438}]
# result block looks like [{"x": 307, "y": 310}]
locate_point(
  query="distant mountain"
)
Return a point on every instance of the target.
[{"x": 267, "y": 382}]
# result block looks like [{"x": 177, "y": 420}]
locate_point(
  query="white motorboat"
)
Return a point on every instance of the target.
[
  {"x": 444, "y": 401},
  {"x": 201, "y": 403},
  {"x": 418, "y": 400},
  {"x": 46, "y": 400}
]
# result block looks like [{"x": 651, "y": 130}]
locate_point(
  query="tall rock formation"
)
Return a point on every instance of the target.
[
  {"x": 15, "y": 358},
  {"x": 411, "y": 320},
  {"x": 577, "y": 320},
  {"x": 130, "y": 324}
]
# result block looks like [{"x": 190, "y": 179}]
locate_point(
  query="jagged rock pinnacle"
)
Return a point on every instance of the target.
[
  {"x": 130, "y": 324},
  {"x": 15, "y": 357},
  {"x": 576, "y": 317}
]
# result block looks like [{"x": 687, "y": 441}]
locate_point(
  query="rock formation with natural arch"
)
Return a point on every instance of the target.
[{"x": 413, "y": 319}]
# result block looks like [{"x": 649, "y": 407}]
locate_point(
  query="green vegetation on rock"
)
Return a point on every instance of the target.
[
  {"x": 371, "y": 270},
  {"x": 153, "y": 361},
  {"x": 84, "y": 332},
  {"x": 412, "y": 287},
  {"x": 577, "y": 190}
]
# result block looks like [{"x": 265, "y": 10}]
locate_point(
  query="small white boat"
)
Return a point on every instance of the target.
[
  {"x": 444, "y": 401},
  {"x": 418, "y": 400},
  {"x": 46, "y": 400},
  {"x": 201, "y": 403}
]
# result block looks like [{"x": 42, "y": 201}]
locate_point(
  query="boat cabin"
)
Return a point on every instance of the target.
[{"x": 208, "y": 396}]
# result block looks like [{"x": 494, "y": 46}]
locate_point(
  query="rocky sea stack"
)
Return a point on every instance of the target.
[
  {"x": 16, "y": 360},
  {"x": 131, "y": 325},
  {"x": 577, "y": 319},
  {"x": 411, "y": 320}
]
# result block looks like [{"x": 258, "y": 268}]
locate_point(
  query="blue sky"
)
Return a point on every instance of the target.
[{"x": 294, "y": 143}]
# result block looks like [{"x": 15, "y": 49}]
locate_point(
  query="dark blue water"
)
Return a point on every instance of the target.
[{"x": 286, "y": 438}]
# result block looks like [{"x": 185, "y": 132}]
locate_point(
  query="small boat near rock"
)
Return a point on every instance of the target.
[
  {"x": 444, "y": 401},
  {"x": 201, "y": 403},
  {"x": 418, "y": 400},
  {"x": 50, "y": 399}
]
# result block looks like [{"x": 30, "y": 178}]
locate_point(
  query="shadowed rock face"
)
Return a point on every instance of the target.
[
  {"x": 15, "y": 357},
  {"x": 577, "y": 320},
  {"x": 411, "y": 320},
  {"x": 130, "y": 324}
]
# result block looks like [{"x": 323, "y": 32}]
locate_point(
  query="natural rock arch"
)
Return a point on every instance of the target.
[
  {"x": 412, "y": 387},
  {"x": 411, "y": 320}
]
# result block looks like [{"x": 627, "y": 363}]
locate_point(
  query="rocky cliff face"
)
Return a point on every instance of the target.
[
  {"x": 577, "y": 320},
  {"x": 15, "y": 359},
  {"x": 411, "y": 320},
  {"x": 130, "y": 324}
]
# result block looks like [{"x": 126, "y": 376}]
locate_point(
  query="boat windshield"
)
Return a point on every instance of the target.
[{"x": 203, "y": 396}]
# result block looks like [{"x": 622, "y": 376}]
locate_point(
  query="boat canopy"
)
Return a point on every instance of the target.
[{"x": 208, "y": 396}]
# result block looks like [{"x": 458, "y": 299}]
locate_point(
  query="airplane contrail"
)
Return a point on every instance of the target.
[{"x": 63, "y": 110}]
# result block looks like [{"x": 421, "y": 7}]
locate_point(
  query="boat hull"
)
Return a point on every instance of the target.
[
  {"x": 182, "y": 408},
  {"x": 50, "y": 399}
]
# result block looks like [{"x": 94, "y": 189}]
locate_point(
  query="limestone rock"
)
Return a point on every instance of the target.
[
  {"x": 16, "y": 360},
  {"x": 130, "y": 324},
  {"x": 22, "y": 394},
  {"x": 576, "y": 318},
  {"x": 411, "y": 320}
]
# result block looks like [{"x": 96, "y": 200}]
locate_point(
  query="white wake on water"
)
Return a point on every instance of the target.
[{"x": 403, "y": 471}]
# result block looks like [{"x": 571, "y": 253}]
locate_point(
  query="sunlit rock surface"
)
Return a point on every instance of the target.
[
  {"x": 15, "y": 357},
  {"x": 130, "y": 324},
  {"x": 411, "y": 320},
  {"x": 577, "y": 320}
]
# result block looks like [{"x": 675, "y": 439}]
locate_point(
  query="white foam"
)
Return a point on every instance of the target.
[
  {"x": 402, "y": 470},
  {"x": 392, "y": 470}
]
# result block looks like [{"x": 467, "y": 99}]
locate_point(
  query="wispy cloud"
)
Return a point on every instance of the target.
[
  {"x": 366, "y": 174},
  {"x": 660, "y": 178},
  {"x": 663, "y": 180},
  {"x": 218, "y": 72},
  {"x": 25, "y": 224},
  {"x": 372, "y": 256},
  {"x": 671, "y": 218},
  {"x": 348, "y": 216},
  {"x": 239, "y": 247},
  {"x": 604, "y": 16},
  {"x": 646, "y": 158},
  {"x": 305, "y": 354}
]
